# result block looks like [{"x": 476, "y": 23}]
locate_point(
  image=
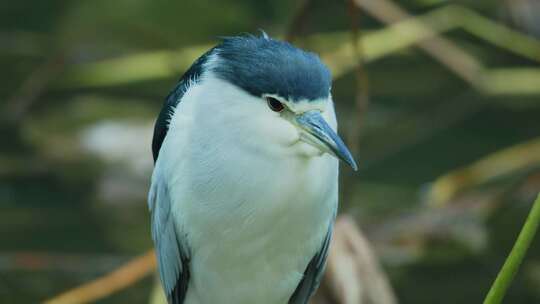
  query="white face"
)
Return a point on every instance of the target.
[{"x": 254, "y": 122}]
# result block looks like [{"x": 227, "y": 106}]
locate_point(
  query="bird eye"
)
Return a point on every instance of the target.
[{"x": 274, "y": 104}]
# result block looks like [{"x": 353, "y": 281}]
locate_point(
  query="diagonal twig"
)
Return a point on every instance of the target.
[
  {"x": 441, "y": 49},
  {"x": 362, "y": 89},
  {"x": 32, "y": 88},
  {"x": 299, "y": 20},
  {"x": 120, "y": 278}
]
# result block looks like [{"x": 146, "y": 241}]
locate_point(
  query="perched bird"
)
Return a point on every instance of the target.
[{"x": 245, "y": 186}]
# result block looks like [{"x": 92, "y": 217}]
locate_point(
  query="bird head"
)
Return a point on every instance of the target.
[{"x": 278, "y": 95}]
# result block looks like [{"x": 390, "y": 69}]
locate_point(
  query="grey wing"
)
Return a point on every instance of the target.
[
  {"x": 313, "y": 274},
  {"x": 171, "y": 251}
]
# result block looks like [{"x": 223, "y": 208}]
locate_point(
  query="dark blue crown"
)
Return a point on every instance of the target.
[{"x": 261, "y": 65}]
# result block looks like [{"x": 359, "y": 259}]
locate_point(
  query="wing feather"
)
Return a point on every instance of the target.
[
  {"x": 172, "y": 256},
  {"x": 313, "y": 274},
  {"x": 171, "y": 250}
]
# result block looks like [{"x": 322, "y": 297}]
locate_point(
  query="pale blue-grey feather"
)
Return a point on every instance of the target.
[
  {"x": 171, "y": 252},
  {"x": 313, "y": 273}
]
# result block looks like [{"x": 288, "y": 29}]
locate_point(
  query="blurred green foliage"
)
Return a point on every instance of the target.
[{"x": 62, "y": 194}]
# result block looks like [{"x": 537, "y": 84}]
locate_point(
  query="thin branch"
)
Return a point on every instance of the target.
[
  {"x": 101, "y": 287},
  {"x": 32, "y": 88},
  {"x": 354, "y": 274},
  {"x": 299, "y": 20},
  {"x": 362, "y": 86},
  {"x": 514, "y": 260},
  {"x": 441, "y": 49},
  {"x": 377, "y": 44},
  {"x": 492, "y": 166}
]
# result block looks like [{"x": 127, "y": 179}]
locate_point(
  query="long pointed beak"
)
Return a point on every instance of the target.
[{"x": 318, "y": 133}]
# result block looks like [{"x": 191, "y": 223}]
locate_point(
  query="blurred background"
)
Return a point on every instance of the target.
[{"x": 438, "y": 99}]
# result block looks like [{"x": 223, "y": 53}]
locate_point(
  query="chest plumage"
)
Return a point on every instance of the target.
[{"x": 244, "y": 191}]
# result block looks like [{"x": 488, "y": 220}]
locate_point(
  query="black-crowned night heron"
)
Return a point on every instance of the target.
[{"x": 245, "y": 186}]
